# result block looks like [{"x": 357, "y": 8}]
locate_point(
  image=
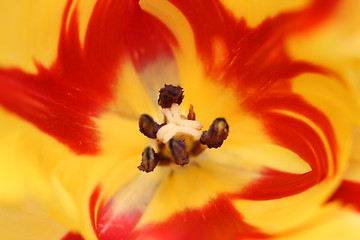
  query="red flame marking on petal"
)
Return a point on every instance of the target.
[
  {"x": 216, "y": 220},
  {"x": 276, "y": 184},
  {"x": 300, "y": 138},
  {"x": 72, "y": 236},
  {"x": 146, "y": 37},
  {"x": 93, "y": 202},
  {"x": 249, "y": 50},
  {"x": 278, "y": 125},
  {"x": 258, "y": 67},
  {"x": 116, "y": 227},
  {"x": 62, "y": 100},
  {"x": 107, "y": 224},
  {"x": 348, "y": 193}
]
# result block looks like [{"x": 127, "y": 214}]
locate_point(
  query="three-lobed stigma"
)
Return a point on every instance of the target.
[{"x": 180, "y": 136}]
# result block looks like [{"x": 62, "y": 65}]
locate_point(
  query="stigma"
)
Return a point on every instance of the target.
[
  {"x": 177, "y": 125},
  {"x": 179, "y": 137}
]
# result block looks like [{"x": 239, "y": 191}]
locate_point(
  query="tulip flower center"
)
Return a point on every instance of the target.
[{"x": 179, "y": 136}]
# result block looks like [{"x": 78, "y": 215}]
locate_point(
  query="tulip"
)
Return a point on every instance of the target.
[{"x": 243, "y": 115}]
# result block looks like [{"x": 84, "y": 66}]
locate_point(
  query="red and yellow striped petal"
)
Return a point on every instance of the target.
[
  {"x": 75, "y": 114},
  {"x": 66, "y": 102},
  {"x": 255, "y": 12}
]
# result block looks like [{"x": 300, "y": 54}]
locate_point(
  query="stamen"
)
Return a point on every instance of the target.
[
  {"x": 178, "y": 151},
  {"x": 191, "y": 115},
  {"x": 179, "y": 136},
  {"x": 169, "y": 95},
  {"x": 217, "y": 133},
  {"x": 148, "y": 126},
  {"x": 149, "y": 160}
]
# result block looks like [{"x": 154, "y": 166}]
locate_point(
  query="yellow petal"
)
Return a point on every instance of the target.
[
  {"x": 334, "y": 44},
  {"x": 29, "y": 31},
  {"x": 39, "y": 166},
  {"x": 321, "y": 92},
  {"x": 192, "y": 186},
  {"x": 29, "y": 221},
  {"x": 332, "y": 224},
  {"x": 272, "y": 216},
  {"x": 255, "y": 11},
  {"x": 26, "y": 156},
  {"x": 353, "y": 171},
  {"x": 255, "y": 157},
  {"x": 20, "y": 167}
]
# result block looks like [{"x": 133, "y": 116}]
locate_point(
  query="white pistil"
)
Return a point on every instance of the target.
[{"x": 177, "y": 125}]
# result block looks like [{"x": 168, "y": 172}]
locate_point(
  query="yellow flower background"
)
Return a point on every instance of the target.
[{"x": 75, "y": 75}]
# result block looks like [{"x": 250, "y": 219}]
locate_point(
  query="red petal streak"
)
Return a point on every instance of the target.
[
  {"x": 57, "y": 110},
  {"x": 256, "y": 64},
  {"x": 295, "y": 134},
  {"x": 72, "y": 236},
  {"x": 115, "y": 227},
  {"x": 146, "y": 37},
  {"x": 299, "y": 138},
  {"x": 93, "y": 203},
  {"x": 217, "y": 220},
  {"x": 348, "y": 193},
  {"x": 249, "y": 51},
  {"x": 276, "y": 184},
  {"x": 107, "y": 224},
  {"x": 62, "y": 100}
]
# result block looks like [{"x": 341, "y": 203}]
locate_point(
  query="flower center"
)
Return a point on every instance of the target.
[{"x": 180, "y": 136}]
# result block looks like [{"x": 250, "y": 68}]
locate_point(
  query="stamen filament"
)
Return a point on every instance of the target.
[{"x": 176, "y": 125}]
